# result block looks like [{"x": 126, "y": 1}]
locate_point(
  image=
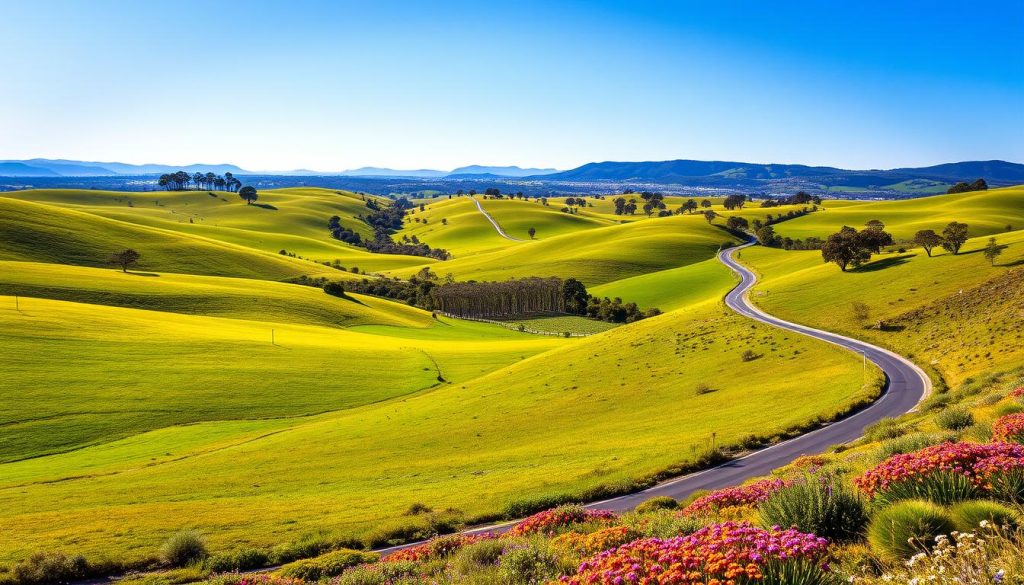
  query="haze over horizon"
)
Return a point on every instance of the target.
[{"x": 337, "y": 86}]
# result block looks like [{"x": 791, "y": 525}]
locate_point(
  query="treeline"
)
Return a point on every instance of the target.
[
  {"x": 979, "y": 185},
  {"x": 766, "y": 235},
  {"x": 385, "y": 221},
  {"x": 182, "y": 181},
  {"x": 800, "y": 198},
  {"x": 501, "y": 300}
]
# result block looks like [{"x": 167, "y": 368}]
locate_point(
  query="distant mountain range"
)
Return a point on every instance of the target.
[
  {"x": 41, "y": 167},
  {"x": 672, "y": 174},
  {"x": 713, "y": 173}
]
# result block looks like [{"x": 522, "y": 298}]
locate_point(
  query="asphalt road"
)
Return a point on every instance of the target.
[{"x": 906, "y": 385}]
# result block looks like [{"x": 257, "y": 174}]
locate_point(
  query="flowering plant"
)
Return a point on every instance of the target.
[
  {"x": 253, "y": 579},
  {"x": 974, "y": 463},
  {"x": 1017, "y": 392},
  {"x": 731, "y": 552},
  {"x": 1009, "y": 428},
  {"x": 735, "y": 500},
  {"x": 436, "y": 548},
  {"x": 552, "y": 521},
  {"x": 595, "y": 542}
]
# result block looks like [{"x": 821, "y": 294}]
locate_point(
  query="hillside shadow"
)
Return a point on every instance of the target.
[
  {"x": 265, "y": 206},
  {"x": 142, "y": 273},
  {"x": 884, "y": 263}
]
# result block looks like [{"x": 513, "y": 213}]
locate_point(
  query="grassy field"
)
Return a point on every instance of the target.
[
  {"x": 986, "y": 212},
  {"x": 147, "y": 402},
  {"x": 904, "y": 290}
]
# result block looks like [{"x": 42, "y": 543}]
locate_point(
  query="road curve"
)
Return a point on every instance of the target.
[
  {"x": 906, "y": 385},
  {"x": 497, "y": 227}
]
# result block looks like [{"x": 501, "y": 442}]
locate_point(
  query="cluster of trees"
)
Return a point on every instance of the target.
[
  {"x": 623, "y": 207},
  {"x": 415, "y": 291},
  {"x": 501, "y": 300},
  {"x": 615, "y": 311},
  {"x": 385, "y": 220},
  {"x": 953, "y": 237},
  {"x": 182, "y": 181},
  {"x": 734, "y": 202},
  {"x": 766, "y": 235},
  {"x": 979, "y": 185},
  {"x": 851, "y": 247},
  {"x": 800, "y": 198}
]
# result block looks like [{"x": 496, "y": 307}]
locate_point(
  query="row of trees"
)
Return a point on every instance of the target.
[
  {"x": 182, "y": 181},
  {"x": 953, "y": 237},
  {"x": 501, "y": 300}
]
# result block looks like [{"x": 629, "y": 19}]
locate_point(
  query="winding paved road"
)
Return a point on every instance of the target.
[
  {"x": 906, "y": 385},
  {"x": 497, "y": 227}
]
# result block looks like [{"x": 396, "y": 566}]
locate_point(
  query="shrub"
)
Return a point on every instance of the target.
[
  {"x": 912, "y": 442},
  {"x": 907, "y": 527},
  {"x": 561, "y": 519},
  {"x": 967, "y": 516},
  {"x": 183, "y": 548},
  {"x": 943, "y": 473},
  {"x": 731, "y": 552},
  {"x": 954, "y": 419},
  {"x": 1008, "y": 484},
  {"x": 733, "y": 502},
  {"x": 242, "y": 560},
  {"x": 887, "y": 428},
  {"x": 749, "y": 356},
  {"x": 1009, "y": 428},
  {"x": 657, "y": 503},
  {"x": 662, "y": 523},
  {"x": 585, "y": 545},
  {"x": 50, "y": 567},
  {"x": 328, "y": 565},
  {"x": 308, "y": 545},
  {"x": 377, "y": 574},
  {"x": 335, "y": 289},
  {"x": 818, "y": 505},
  {"x": 472, "y": 557},
  {"x": 526, "y": 565},
  {"x": 440, "y": 547},
  {"x": 253, "y": 579}
]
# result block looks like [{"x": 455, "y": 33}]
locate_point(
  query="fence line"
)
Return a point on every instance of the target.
[{"x": 508, "y": 325}]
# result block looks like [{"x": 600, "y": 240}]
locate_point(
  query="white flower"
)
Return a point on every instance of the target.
[{"x": 983, "y": 524}]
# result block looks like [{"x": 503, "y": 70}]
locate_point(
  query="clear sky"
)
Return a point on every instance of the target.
[{"x": 334, "y": 85}]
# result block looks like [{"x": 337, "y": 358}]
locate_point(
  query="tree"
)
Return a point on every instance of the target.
[
  {"x": 710, "y": 215},
  {"x": 706, "y": 204},
  {"x": 125, "y": 258},
  {"x": 248, "y": 193},
  {"x": 954, "y": 236},
  {"x": 575, "y": 295},
  {"x": 766, "y": 235},
  {"x": 737, "y": 223},
  {"x": 532, "y": 232},
  {"x": 873, "y": 238},
  {"x": 992, "y": 251},
  {"x": 875, "y": 224},
  {"x": 844, "y": 248},
  {"x": 735, "y": 201},
  {"x": 689, "y": 207},
  {"x": 927, "y": 239}
]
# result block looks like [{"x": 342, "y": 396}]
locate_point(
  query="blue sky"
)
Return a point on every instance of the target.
[{"x": 337, "y": 85}]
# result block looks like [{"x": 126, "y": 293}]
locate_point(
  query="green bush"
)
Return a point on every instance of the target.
[
  {"x": 797, "y": 572},
  {"x": 327, "y": 565},
  {"x": 954, "y": 419},
  {"x": 657, "y": 503},
  {"x": 1009, "y": 409},
  {"x": 183, "y": 548},
  {"x": 1008, "y": 486},
  {"x": 378, "y": 573},
  {"x": 50, "y": 567},
  {"x": 968, "y": 515},
  {"x": 307, "y": 546},
  {"x": 242, "y": 560},
  {"x": 943, "y": 488},
  {"x": 473, "y": 557},
  {"x": 906, "y": 528},
  {"x": 887, "y": 428},
  {"x": 818, "y": 505},
  {"x": 912, "y": 442},
  {"x": 661, "y": 524},
  {"x": 526, "y": 565}
]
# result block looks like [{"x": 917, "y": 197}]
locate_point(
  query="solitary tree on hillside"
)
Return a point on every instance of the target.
[
  {"x": 992, "y": 251},
  {"x": 927, "y": 239},
  {"x": 248, "y": 193},
  {"x": 710, "y": 215},
  {"x": 532, "y": 232},
  {"x": 705, "y": 203},
  {"x": 875, "y": 224},
  {"x": 125, "y": 258},
  {"x": 954, "y": 237}
]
